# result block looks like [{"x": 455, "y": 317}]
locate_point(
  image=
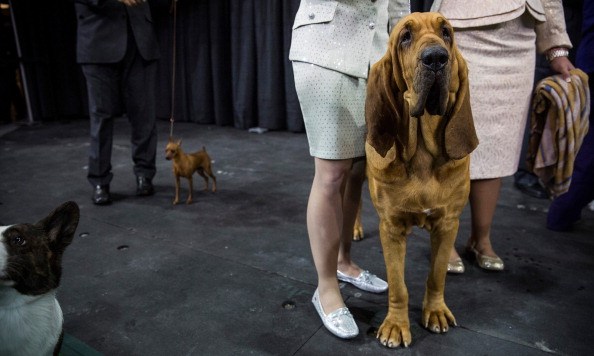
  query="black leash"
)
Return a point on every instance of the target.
[{"x": 173, "y": 60}]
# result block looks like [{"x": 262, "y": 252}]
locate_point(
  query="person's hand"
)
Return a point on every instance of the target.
[
  {"x": 132, "y": 2},
  {"x": 562, "y": 65}
]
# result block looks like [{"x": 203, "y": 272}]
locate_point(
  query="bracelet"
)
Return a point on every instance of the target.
[{"x": 557, "y": 52}]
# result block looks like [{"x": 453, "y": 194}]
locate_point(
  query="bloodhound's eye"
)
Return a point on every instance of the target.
[
  {"x": 446, "y": 34},
  {"x": 18, "y": 240},
  {"x": 405, "y": 37}
]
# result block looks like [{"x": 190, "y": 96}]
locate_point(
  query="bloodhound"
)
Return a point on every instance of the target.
[{"x": 420, "y": 135}]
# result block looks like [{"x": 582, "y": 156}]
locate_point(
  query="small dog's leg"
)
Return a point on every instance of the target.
[
  {"x": 191, "y": 183},
  {"x": 214, "y": 179},
  {"x": 176, "y": 199},
  {"x": 205, "y": 179}
]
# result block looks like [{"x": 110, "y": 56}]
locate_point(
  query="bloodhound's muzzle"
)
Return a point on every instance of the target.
[{"x": 420, "y": 135}]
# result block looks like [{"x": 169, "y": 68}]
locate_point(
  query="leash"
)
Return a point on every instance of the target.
[{"x": 173, "y": 60}]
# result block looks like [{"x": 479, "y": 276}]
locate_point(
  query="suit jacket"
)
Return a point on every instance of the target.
[
  {"x": 550, "y": 23},
  {"x": 344, "y": 35},
  {"x": 102, "y": 33}
]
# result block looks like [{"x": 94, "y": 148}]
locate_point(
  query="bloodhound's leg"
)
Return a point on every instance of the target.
[
  {"x": 358, "y": 228},
  {"x": 395, "y": 329},
  {"x": 436, "y": 315}
]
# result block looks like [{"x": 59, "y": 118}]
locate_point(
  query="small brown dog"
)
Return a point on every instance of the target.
[{"x": 184, "y": 165}]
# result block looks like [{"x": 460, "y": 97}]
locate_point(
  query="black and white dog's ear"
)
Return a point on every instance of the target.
[{"x": 60, "y": 225}]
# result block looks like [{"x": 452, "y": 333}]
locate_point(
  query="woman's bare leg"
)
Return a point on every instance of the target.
[
  {"x": 325, "y": 225},
  {"x": 484, "y": 194}
]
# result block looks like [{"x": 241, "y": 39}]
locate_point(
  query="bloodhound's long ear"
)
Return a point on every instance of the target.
[
  {"x": 381, "y": 114},
  {"x": 386, "y": 112},
  {"x": 460, "y": 136}
]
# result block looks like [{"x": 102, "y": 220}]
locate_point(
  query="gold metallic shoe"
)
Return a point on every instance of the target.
[
  {"x": 456, "y": 267},
  {"x": 487, "y": 262}
]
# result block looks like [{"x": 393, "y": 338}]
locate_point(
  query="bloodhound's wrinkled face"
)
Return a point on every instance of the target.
[
  {"x": 422, "y": 74},
  {"x": 425, "y": 55}
]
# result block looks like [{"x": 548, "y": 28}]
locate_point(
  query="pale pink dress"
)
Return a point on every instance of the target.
[{"x": 499, "y": 42}]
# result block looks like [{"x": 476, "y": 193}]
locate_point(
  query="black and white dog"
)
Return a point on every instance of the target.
[{"x": 31, "y": 319}]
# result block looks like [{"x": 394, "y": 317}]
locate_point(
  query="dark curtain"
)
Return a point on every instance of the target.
[
  {"x": 232, "y": 64},
  {"x": 231, "y": 61},
  {"x": 46, "y": 36},
  {"x": 420, "y": 5}
]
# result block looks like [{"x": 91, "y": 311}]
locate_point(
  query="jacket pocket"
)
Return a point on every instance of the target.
[{"x": 314, "y": 11}]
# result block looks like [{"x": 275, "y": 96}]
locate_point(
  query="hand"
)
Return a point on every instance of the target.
[
  {"x": 562, "y": 65},
  {"x": 132, "y": 2}
]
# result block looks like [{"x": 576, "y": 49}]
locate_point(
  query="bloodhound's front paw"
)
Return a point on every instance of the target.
[
  {"x": 438, "y": 318},
  {"x": 393, "y": 333}
]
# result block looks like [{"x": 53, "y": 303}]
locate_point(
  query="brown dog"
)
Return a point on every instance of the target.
[
  {"x": 420, "y": 133},
  {"x": 184, "y": 165}
]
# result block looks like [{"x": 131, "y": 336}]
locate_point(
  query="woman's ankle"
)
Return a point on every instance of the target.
[
  {"x": 349, "y": 268},
  {"x": 482, "y": 245}
]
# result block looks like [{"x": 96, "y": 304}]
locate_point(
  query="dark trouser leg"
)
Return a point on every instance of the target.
[
  {"x": 104, "y": 106},
  {"x": 139, "y": 91}
]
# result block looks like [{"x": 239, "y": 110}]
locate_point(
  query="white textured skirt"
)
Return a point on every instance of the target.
[
  {"x": 501, "y": 60},
  {"x": 333, "y": 107}
]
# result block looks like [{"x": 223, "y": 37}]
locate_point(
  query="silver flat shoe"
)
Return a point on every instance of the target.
[
  {"x": 340, "y": 322},
  {"x": 456, "y": 267},
  {"x": 365, "y": 281},
  {"x": 487, "y": 262}
]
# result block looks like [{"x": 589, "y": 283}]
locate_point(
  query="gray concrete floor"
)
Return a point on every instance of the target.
[{"x": 232, "y": 273}]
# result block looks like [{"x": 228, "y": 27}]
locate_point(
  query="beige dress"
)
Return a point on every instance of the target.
[
  {"x": 499, "y": 40},
  {"x": 333, "y": 45}
]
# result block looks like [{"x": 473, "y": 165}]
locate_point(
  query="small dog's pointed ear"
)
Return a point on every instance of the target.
[
  {"x": 60, "y": 225},
  {"x": 179, "y": 142}
]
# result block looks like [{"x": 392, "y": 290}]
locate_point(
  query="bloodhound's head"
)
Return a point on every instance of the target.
[{"x": 422, "y": 75}]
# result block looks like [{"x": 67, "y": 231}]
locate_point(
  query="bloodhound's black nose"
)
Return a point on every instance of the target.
[{"x": 434, "y": 58}]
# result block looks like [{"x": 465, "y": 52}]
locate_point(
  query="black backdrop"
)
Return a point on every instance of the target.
[{"x": 232, "y": 64}]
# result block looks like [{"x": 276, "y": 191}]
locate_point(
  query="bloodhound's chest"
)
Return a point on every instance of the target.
[{"x": 412, "y": 187}]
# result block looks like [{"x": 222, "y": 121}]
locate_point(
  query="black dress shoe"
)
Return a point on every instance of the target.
[
  {"x": 144, "y": 187},
  {"x": 528, "y": 183},
  {"x": 101, "y": 195}
]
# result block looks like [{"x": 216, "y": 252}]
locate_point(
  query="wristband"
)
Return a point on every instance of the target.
[{"x": 557, "y": 52}]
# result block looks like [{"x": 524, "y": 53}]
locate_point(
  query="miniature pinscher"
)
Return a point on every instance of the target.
[{"x": 184, "y": 165}]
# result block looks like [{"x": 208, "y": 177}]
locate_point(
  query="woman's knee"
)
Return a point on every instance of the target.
[{"x": 332, "y": 173}]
